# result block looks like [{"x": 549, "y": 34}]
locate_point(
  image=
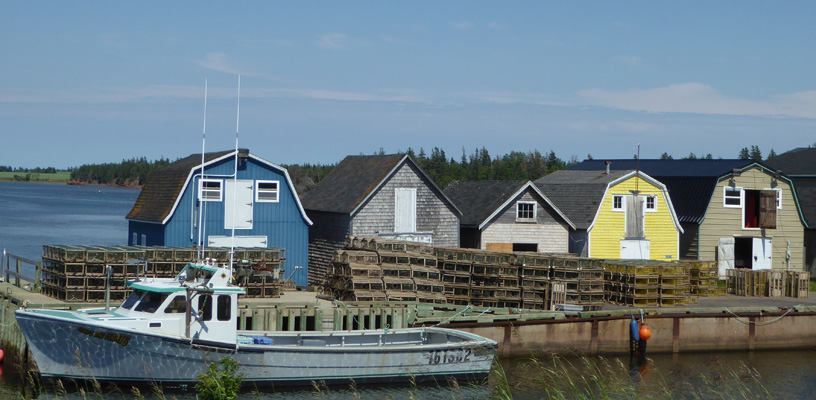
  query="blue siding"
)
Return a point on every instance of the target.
[{"x": 281, "y": 222}]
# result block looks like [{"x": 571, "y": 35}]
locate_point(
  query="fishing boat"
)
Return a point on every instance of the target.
[{"x": 170, "y": 330}]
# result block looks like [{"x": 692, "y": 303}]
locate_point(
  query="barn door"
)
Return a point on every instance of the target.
[
  {"x": 767, "y": 209},
  {"x": 404, "y": 210},
  {"x": 238, "y": 201},
  {"x": 725, "y": 255},
  {"x": 634, "y": 216}
]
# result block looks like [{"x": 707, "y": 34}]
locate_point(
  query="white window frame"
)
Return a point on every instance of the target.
[
  {"x": 622, "y": 207},
  {"x": 726, "y": 189},
  {"x": 535, "y": 211},
  {"x": 646, "y": 203},
  {"x": 220, "y": 189},
  {"x": 259, "y": 191}
]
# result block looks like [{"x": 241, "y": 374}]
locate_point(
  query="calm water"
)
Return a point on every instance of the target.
[{"x": 35, "y": 214}]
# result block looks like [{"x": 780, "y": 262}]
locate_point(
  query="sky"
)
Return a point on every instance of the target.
[{"x": 100, "y": 81}]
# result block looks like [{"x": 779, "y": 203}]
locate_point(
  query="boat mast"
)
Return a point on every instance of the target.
[
  {"x": 201, "y": 203},
  {"x": 235, "y": 175}
]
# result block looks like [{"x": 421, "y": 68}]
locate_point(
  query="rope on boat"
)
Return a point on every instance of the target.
[
  {"x": 464, "y": 310},
  {"x": 746, "y": 322},
  {"x": 353, "y": 317}
]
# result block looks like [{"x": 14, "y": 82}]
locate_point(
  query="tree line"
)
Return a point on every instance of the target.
[
  {"x": 443, "y": 169},
  {"x": 132, "y": 172}
]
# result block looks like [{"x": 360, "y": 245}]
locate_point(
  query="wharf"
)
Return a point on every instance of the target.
[{"x": 720, "y": 323}]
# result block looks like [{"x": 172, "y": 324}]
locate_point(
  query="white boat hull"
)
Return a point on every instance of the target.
[{"x": 66, "y": 347}]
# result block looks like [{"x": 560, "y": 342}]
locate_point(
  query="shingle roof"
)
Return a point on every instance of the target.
[
  {"x": 164, "y": 185},
  {"x": 690, "y": 182},
  {"x": 806, "y": 194},
  {"x": 578, "y": 194},
  {"x": 665, "y": 168},
  {"x": 479, "y": 199},
  {"x": 356, "y": 178},
  {"x": 797, "y": 162}
]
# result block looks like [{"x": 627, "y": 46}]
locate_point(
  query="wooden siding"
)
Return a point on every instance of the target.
[
  {"x": 433, "y": 213},
  {"x": 281, "y": 222},
  {"x": 327, "y": 235},
  {"x": 659, "y": 227},
  {"x": 721, "y": 222},
  {"x": 549, "y": 230}
]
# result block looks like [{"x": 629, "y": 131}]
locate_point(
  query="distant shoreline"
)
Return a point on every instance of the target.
[{"x": 76, "y": 183}]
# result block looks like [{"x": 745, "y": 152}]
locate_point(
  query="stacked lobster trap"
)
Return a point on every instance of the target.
[
  {"x": 82, "y": 273},
  {"x": 645, "y": 283},
  {"x": 768, "y": 283},
  {"x": 371, "y": 269}
]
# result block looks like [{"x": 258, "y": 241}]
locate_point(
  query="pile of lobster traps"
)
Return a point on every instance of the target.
[{"x": 83, "y": 273}]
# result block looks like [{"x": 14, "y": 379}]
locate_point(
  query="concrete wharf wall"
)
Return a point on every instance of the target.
[{"x": 688, "y": 330}]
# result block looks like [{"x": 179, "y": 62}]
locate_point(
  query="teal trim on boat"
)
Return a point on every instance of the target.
[{"x": 149, "y": 288}]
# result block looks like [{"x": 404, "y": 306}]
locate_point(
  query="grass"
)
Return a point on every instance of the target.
[
  {"x": 555, "y": 377},
  {"x": 61, "y": 176}
]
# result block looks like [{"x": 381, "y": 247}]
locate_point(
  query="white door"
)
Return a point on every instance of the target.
[
  {"x": 238, "y": 204},
  {"x": 634, "y": 249},
  {"x": 404, "y": 210},
  {"x": 762, "y": 253},
  {"x": 725, "y": 255}
]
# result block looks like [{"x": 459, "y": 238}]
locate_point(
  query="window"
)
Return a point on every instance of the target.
[
  {"x": 525, "y": 211},
  {"x": 224, "y": 307},
  {"x": 266, "y": 191},
  {"x": 209, "y": 190},
  {"x": 732, "y": 197},
  {"x": 760, "y": 209},
  {"x": 205, "y": 307},
  {"x": 651, "y": 203},
  {"x": 177, "y": 305},
  {"x": 151, "y": 302},
  {"x": 617, "y": 202},
  {"x": 133, "y": 299}
]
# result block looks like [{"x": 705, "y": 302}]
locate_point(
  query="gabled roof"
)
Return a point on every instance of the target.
[
  {"x": 481, "y": 201},
  {"x": 799, "y": 162},
  {"x": 690, "y": 183},
  {"x": 578, "y": 194},
  {"x": 354, "y": 180},
  {"x": 161, "y": 194}
]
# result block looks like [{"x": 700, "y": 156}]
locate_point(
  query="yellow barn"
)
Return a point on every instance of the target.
[{"x": 617, "y": 214}]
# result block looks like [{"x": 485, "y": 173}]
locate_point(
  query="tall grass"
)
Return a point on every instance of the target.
[{"x": 587, "y": 377}]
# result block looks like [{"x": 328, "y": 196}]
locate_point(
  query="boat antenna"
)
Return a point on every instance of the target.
[
  {"x": 235, "y": 174},
  {"x": 202, "y": 204},
  {"x": 637, "y": 171}
]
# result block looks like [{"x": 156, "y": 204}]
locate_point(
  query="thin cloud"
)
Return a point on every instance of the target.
[
  {"x": 698, "y": 98},
  {"x": 462, "y": 26},
  {"x": 338, "y": 41},
  {"x": 219, "y": 62},
  {"x": 634, "y": 61},
  {"x": 495, "y": 26}
]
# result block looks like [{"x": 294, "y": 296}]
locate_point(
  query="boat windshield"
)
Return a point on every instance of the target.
[
  {"x": 132, "y": 299},
  {"x": 151, "y": 302}
]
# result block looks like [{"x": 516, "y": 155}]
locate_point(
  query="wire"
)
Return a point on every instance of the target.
[{"x": 742, "y": 319}]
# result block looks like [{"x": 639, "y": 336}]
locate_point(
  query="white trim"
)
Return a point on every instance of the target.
[
  {"x": 650, "y": 180},
  {"x": 512, "y": 198},
  {"x": 646, "y": 208},
  {"x": 741, "y": 191},
  {"x": 534, "y": 218},
  {"x": 258, "y": 191},
  {"x": 201, "y": 183},
  {"x": 622, "y": 207},
  {"x": 194, "y": 171}
]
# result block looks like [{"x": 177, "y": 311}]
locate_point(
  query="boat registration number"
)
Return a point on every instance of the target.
[{"x": 449, "y": 356}]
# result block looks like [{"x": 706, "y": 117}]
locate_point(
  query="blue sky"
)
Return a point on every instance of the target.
[{"x": 99, "y": 81}]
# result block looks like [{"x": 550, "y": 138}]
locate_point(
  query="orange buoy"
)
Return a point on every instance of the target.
[
  {"x": 1, "y": 356},
  {"x": 645, "y": 332}
]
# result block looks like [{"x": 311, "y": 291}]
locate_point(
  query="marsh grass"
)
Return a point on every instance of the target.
[{"x": 588, "y": 377}]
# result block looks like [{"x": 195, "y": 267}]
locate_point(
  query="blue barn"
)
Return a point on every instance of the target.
[{"x": 260, "y": 204}]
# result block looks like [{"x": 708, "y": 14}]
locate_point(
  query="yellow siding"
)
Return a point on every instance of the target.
[
  {"x": 659, "y": 228},
  {"x": 721, "y": 222}
]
